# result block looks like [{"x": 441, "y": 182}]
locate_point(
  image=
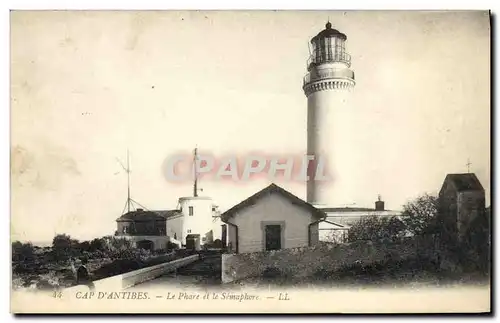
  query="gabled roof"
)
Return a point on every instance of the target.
[
  {"x": 465, "y": 182},
  {"x": 272, "y": 189}
]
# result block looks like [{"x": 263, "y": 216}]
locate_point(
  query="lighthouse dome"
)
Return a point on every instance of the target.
[{"x": 329, "y": 32}]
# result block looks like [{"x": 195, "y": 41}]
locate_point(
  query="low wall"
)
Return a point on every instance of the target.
[
  {"x": 308, "y": 261},
  {"x": 159, "y": 242},
  {"x": 123, "y": 281}
]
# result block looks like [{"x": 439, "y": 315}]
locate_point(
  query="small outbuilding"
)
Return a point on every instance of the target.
[{"x": 271, "y": 219}]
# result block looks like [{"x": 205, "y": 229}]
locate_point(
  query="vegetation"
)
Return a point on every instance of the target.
[
  {"x": 377, "y": 229},
  {"x": 419, "y": 215},
  {"x": 423, "y": 217},
  {"x": 49, "y": 267}
]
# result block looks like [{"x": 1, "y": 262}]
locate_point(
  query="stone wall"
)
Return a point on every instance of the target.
[
  {"x": 123, "y": 281},
  {"x": 307, "y": 261}
]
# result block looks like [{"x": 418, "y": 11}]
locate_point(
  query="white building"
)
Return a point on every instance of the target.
[
  {"x": 339, "y": 219},
  {"x": 327, "y": 87},
  {"x": 197, "y": 217},
  {"x": 271, "y": 219}
]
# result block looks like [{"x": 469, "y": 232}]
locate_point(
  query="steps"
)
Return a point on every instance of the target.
[{"x": 208, "y": 266}]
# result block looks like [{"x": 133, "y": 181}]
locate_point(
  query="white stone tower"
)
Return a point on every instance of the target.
[
  {"x": 200, "y": 214},
  {"x": 327, "y": 87}
]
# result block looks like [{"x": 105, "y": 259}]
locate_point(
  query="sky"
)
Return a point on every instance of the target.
[{"x": 87, "y": 86}]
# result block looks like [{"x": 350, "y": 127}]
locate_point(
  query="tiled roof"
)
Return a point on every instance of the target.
[{"x": 140, "y": 215}]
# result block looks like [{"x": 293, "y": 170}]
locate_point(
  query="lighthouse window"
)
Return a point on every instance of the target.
[
  {"x": 329, "y": 44},
  {"x": 191, "y": 210},
  {"x": 319, "y": 52}
]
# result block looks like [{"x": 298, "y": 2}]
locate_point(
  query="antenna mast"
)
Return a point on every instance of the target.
[
  {"x": 128, "y": 204},
  {"x": 128, "y": 181},
  {"x": 195, "y": 186}
]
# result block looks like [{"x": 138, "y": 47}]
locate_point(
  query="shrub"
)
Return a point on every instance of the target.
[
  {"x": 377, "y": 229},
  {"x": 172, "y": 246},
  {"x": 61, "y": 245},
  {"x": 22, "y": 251},
  {"x": 84, "y": 246},
  {"x": 97, "y": 244}
]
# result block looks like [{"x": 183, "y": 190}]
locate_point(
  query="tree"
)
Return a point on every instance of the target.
[
  {"x": 376, "y": 228},
  {"x": 61, "y": 245},
  {"x": 97, "y": 244},
  {"x": 420, "y": 215},
  {"x": 22, "y": 251},
  {"x": 84, "y": 246}
]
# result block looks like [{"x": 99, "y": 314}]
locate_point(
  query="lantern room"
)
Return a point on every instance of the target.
[{"x": 328, "y": 47}]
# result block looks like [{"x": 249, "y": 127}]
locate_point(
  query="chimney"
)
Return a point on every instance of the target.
[{"x": 379, "y": 205}]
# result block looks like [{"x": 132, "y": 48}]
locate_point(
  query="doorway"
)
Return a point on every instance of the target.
[
  {"x": 145, "y": 244},
  {"x": 273, "y": 237}
]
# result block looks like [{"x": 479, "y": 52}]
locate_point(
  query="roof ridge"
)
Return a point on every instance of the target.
[{"x": 273, "y": 187}]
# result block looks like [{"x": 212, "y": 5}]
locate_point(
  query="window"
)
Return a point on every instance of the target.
[
  {"x": 191, "y": 210},
  {"x": 330, "y": 42}
]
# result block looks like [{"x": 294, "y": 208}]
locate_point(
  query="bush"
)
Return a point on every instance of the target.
[
  {"x": 22, "y": 251},
  {"x": 115, "y": 243},
  {"x": 377, "y": 229},
  {"x": 61, "y": 246},
  {"x": 97, "y": 244},
  {"x": 84, "y": 246},
  {"x": 172, "y": 246},
  {"x": 217, "y": 244}
]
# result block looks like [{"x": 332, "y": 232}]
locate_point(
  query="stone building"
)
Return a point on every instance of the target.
[
  {"x": 271, "y": 219},
  {"x": 145, "y": 229},
  {"x": 461, "y": 200}
]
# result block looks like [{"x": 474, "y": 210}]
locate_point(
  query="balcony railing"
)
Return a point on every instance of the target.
[
  {"x": 336, "y": 57},
  {"x": 321, "y": 74}
]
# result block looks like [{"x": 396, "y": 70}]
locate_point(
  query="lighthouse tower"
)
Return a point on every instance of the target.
[{"x": 327, "y": 86}]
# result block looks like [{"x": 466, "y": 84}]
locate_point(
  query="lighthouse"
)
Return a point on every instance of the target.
[{"x": 327, "y": 86}]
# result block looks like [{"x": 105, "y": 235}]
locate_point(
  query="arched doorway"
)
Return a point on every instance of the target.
[{"x": 145, "y": 244}]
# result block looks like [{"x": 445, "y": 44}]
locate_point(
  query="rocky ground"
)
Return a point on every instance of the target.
[
  {"x": 44, "y": 275},
  {"x": 40, "y": 275}
]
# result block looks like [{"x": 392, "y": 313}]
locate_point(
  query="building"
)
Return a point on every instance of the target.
[
  {"x": 461, "y": 200},
  {"x": 271, "y": 219},
  {"x": 326, "y": 86},
  {"x": 145, "y": 229},
  {"x": 340, "y": 219},
  {"x": 197, "y": 218}
]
